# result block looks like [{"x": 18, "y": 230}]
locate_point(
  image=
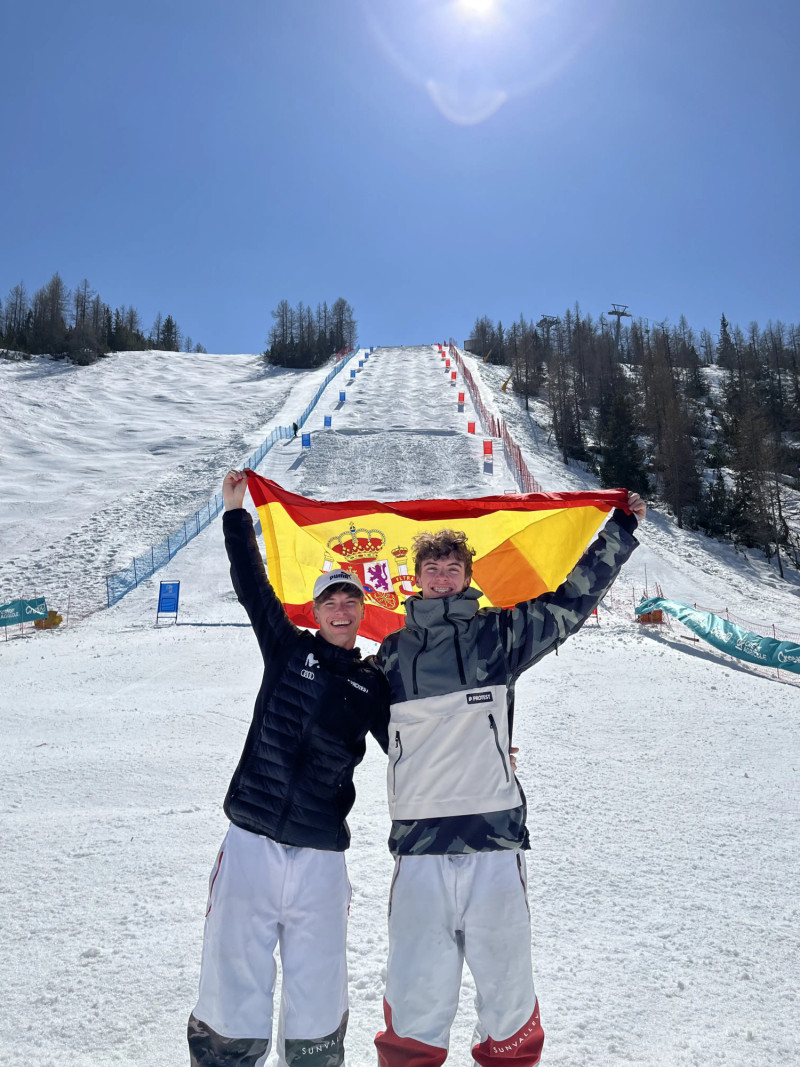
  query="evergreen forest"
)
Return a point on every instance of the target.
[
  {"x": 301, "y": 337},
  {"x": 708, "y": 427},
  {"x": 77, "y": 324}
]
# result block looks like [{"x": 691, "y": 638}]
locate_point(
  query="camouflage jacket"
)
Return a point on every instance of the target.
[{"x": 451, "y": 671}]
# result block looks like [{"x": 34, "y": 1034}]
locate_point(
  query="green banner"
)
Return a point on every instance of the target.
[
  {"x": 17, "y": 611},
  {"x": 730, "y": 638}
]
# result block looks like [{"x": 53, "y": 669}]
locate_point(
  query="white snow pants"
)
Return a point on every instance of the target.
[
  {"x": 443, "y": 910},
  {"x": 262, "y": 895}
]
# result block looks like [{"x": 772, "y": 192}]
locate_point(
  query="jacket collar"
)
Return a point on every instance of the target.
[
  {"x": 332, "y": 655},
  {"x": 424, "y": 614}
]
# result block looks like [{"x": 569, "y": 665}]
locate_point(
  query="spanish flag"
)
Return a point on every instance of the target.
[{"x": 525, "y": 544}]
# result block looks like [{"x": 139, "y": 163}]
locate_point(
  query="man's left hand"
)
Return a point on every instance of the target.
[{"x": 637, "y": 506}]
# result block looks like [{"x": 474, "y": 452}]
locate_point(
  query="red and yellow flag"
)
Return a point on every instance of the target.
[{"x": 525, "y": 544}]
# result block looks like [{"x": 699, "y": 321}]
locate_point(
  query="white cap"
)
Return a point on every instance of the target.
[{"x": 333, "y": 578}]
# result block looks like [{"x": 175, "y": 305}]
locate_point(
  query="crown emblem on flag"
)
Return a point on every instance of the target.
[
  {"x": 357, "y": 546},
  {"x": 366, "y": 555}
]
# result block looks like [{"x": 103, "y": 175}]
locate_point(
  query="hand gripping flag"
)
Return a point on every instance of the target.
[{"x": 525, "y": 544}]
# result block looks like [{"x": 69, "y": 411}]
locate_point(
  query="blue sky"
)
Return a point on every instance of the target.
[{"x": 207, "y": 159}]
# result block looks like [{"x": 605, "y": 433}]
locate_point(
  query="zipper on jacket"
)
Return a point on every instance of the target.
[
  {"x": 459, "y": 660},
  {"x": 493, "y": 725},
  {"x": 414, "y": 663},
  {"x": 397, "y": 744}
]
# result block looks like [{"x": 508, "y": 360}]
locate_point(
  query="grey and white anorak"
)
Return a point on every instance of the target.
[{"x": 451, "y": 671}]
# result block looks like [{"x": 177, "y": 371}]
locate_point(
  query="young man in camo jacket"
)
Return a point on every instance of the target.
[{"x": 458, "y": 813}]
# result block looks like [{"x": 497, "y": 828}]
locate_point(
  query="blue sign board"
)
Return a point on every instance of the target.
[
  {"x": 168, "y": 595},
  {"x": 352, "y": 374},
  {"x": 342, "y": 397},
  {"x": 327, "y": 420},
  {"x": 306, "y": 440}
]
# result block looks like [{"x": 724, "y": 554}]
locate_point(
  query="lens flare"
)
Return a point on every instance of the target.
[
  {"x": 471, "y": 56},
  {"x": 479, "y": 9}
]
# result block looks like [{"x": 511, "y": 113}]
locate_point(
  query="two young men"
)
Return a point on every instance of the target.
[
  {"x": 280, "y": 876},
  {"x": 458, "y": 813}
]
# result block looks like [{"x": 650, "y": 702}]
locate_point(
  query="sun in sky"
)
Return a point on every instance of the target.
[
  {"x": 477, "y": 9},
  {"x": 473, "y": 55}
]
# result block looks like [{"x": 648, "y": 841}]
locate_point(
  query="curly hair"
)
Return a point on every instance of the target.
[{"x": 428, "y": 545}]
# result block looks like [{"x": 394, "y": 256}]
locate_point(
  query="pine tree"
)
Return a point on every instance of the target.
[
  {"x": 170, "y": 335},
  {"x": 622, "y": 463},
  {"x": 714, "y": 513},
  {"x": 727, "y": 356},
  {"x": 48, "y": 325}
]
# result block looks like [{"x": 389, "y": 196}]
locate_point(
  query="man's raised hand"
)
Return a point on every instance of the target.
[
  {"x": 637, "y": 506},
  {"x": 233, "y": 487}
]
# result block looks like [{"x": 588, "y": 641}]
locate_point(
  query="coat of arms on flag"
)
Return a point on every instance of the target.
[{"x": 359, "y": 551}]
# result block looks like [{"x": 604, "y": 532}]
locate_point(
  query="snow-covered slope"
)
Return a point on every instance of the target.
[
  {"x": 101, "y": 462},
  {"x": 662, "y": 781}
]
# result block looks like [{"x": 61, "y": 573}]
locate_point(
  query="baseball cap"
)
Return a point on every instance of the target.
[{"x": 334, "y": 578}]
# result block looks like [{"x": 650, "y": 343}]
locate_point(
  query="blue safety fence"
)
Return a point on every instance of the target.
[{"x": 145, "y": 566}]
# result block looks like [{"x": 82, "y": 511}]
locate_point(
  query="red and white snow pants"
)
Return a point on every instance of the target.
[
  {"x": 263, "y": 895},
  {"x": 444, "y": 910}
]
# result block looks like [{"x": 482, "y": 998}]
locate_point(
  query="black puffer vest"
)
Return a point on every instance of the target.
[{"x": 316, "y": 704}]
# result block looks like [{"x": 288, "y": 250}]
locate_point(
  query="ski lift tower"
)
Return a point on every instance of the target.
[
  {"x": 621, "y": 312},
  {"x": 546, "y": 324}
]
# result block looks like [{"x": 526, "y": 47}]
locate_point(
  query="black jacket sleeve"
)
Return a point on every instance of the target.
[{"x": 249, "y": 577}]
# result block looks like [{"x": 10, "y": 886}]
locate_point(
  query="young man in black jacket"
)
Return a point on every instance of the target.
[{"x": 280, "y": 876}]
